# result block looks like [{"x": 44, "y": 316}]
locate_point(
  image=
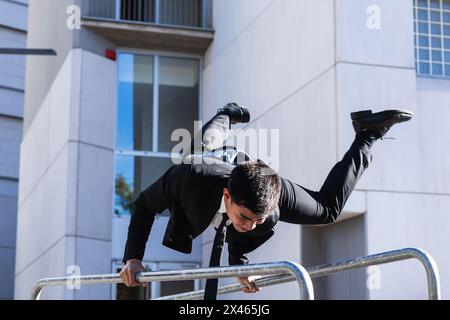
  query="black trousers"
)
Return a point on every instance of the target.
[{"x": 307, "y": 206}]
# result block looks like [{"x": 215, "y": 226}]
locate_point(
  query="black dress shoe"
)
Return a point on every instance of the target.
[
  {"x": 236, "y": 113},
  {"x": 378, "y": 123}
]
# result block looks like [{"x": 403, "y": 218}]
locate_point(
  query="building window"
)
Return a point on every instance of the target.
[
  {"x": 432, "y": 37},
  {"x": 156, "y": 95}
]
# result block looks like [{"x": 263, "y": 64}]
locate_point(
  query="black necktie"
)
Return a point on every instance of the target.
[{"x": 214, "y": 261}]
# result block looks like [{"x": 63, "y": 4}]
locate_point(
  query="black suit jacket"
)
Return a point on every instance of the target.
[{"x": 193, "y": 193}]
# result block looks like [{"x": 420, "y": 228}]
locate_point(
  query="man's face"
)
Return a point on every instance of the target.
[{"x": 242, "y": 218}]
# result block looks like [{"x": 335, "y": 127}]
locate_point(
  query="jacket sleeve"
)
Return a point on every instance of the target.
[
  {"x": 154, "y": 200},
  {"x": 238, "y": 249},
  {"x": 236, "y": 257}
]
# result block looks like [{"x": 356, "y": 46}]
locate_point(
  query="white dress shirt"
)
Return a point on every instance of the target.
[{"x": 218, "y": 216}]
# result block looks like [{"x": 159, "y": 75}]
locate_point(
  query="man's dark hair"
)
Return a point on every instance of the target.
[{"x": 256, "y": 186}]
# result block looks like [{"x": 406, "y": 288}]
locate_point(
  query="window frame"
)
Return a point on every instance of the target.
[
  {"x": 430, "y": 35},
  {"x": 154, "y": 153}
]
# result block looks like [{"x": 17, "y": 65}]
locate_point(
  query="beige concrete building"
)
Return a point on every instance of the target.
[{"x": 98, "y": 130}]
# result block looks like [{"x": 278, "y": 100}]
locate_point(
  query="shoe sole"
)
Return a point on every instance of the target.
[{"x": 400, "y": 114}]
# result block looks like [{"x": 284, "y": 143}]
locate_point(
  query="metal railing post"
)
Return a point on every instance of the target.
[
  {"x": 290, "y": 271},
  {"x": 157, "y": 11},
  {"x": 434, "y": 291},
  {"x": 203, "y": 4},
  {"x": 432, "y": 272},
  {"x": 118, "y": 9},
  {"x": 296, "y": 271}
]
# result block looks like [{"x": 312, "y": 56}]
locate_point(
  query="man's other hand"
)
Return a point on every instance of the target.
[
  {"x": 249, "y": 284},
  {"x": 128, "y": 273}
]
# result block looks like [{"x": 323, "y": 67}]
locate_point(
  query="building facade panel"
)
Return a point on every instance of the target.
[{"x": 399, "y": 220}]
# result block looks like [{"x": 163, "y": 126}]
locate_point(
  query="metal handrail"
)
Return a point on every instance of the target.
[
  {"x": 434, "y": 291},
  {"x": 103, "y": 9},
  {"x": 295, "y": 270}
]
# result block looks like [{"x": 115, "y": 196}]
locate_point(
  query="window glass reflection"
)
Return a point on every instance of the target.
[
  {"x": 135, "y": 109},
  {"x": 133, "y": 175},
  {"x": 178, "y": 99},
  {"x": 432, "y": 42}
]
